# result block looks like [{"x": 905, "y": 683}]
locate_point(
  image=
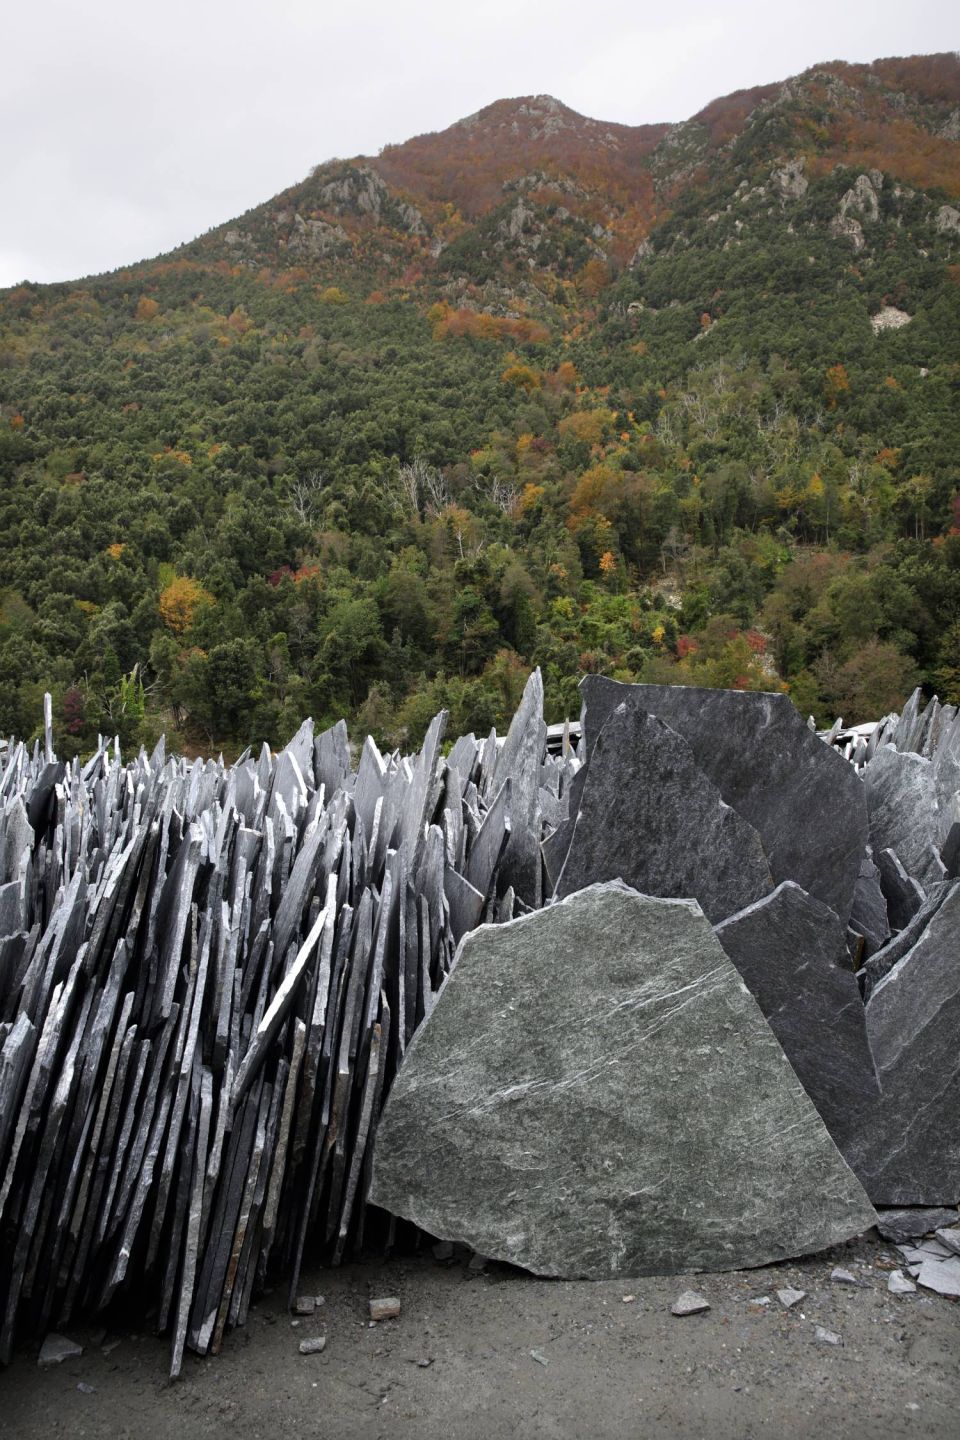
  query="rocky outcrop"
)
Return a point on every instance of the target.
[
  {"x": 315, "y": 237},
  {"x": 789, "y": 180},
  {"x": 889, "y": 318}
]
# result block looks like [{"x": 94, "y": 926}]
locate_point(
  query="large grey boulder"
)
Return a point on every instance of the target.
[
  {"x": 791, "y": 951},
  {"x": 596, "y": 1093},
  {"x": 803, "y": 799},
  {"x": 650, "y": 817},
  {"x": 910, "y": 1154}
]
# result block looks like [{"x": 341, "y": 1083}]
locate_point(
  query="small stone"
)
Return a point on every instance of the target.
[
  {"x": 387, "y": 1308},
  {"x": 443, "y": 1250},
  {"x": 85, "y": 1388},
  {"x": 760, "y": 1301},
  {"x": 689, "y": 1303},
  {"x": 629, "y": 1299},
  {"x": 898, "y": 1284},
  {"x": 57, "y": 1348},
  {"x": 313, "y": 1346},
  {"x": 826, "y": 1337},
  {"x": 304, "y": 1305},
  {"x": 943, "y": 1276},
  {"x": 839, "y": 1276},
  {"x": 425, "y": 1362},
  {"x": 540, "y": 1359},
  {"x": 477, "y": 1263},
  {"x": 789, "y": 1297},
  {"x": 951, "y": 1238}
]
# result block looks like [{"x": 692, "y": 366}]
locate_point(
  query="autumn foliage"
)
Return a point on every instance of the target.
[{"x": 179, "y": 602}]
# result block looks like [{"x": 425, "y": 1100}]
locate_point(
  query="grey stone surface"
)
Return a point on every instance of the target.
[
  {"x": 789, "y": 1297},
  {"x": 904, "y": 811},
  {"x": 598, "y": 1094},
  {"x": 868, "y": 915},
  {"x": 804, "y": 800},
  {"x": 789, "y": 948},
  {"x": 314, "y": 1346},
  {"x": 941, "y": 1276},
  {"x": 689, "y": 1303},
  {"x": 912, "y": 1222},
  {"x": 910, "y": 1152},
  {"x": 903, "y": 894},
  {"x": 57, "y": 1348},
  {"x": 898, "y": 1284},
  {"x": 880, "y": 964},
  {"x": 650, "y": 817},
  {"x": 950, "y": 1236},
  {"x": 519, "y": 762}
]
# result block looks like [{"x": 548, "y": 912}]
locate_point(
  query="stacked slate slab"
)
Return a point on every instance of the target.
[
  {"x": 209, "y": 977},
  {"x": 213, "y": 978}
]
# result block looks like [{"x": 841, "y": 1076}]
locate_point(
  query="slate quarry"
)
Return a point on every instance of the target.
[{"x": 687, "y": 996}]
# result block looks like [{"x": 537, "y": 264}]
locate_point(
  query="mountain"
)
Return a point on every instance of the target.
[{"x": 676, "y": 402}]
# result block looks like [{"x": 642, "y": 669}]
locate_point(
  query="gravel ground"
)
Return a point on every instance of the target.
[{"x": 499, "y": 1354}]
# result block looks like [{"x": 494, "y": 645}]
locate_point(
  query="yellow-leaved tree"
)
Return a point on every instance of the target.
[{"x": 179, "y": 600}]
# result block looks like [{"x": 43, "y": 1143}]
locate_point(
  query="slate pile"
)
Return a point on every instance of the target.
[
  {"x": 850, "y": 957},
  {"x": 208, "y": 979},
  {"x": 699, "y": 994}
]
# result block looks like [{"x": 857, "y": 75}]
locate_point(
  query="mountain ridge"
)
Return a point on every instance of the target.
[{"x": 674, "y": 403}]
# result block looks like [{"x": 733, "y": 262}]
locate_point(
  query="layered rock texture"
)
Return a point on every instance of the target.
[
  {"x": 598, "y": 1094},
  {"x": 610, "y": 999}
]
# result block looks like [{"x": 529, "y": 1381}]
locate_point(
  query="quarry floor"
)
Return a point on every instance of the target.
[{"x": 496, "y": 1354}]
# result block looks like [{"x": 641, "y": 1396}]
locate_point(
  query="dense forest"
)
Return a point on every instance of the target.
[{"x": 667, "y": 403}]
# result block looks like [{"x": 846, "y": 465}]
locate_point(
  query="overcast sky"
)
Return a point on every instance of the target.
[{"x": 130, "y": 128}]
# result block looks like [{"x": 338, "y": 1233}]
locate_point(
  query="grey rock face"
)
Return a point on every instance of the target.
[
  {"x": 650, "y": 817},
  {"x": 597, "y": 1094},
  {"x": 789, "y": 948},
  {"x": 904, "y": 811},
  {"x": 911, "y": 1223},
  {"x": 868, "y": 915},
  {"x": 910, "y": 1154},
  {"x": 903, "y": 894},
  {"x": 802, "y": 798}
]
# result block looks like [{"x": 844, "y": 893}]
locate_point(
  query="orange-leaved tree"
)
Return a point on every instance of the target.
[{"x": 179, "y": 601}]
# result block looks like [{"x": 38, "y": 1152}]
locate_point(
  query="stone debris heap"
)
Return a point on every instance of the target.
[{"x": 716, "y": 1019}]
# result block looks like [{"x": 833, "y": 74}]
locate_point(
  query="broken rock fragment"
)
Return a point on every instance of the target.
[{"x": 597, "y": 1093}]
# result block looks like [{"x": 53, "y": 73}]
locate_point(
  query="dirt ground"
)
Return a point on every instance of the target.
[{"x": 496, "y": 1354}]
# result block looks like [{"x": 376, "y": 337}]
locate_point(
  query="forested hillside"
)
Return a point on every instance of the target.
[{"x": 664, "y": 403}]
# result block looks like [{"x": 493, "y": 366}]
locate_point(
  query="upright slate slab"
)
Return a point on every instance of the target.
[
  {"x": 903, "y": 894},
  {"x": 910, "y": 1154},
  {"x": 790, "y": 950},
  {"x": 803, "y": 799},
  {"x": 650, "y": 817},
  {"x": 519, "y": 762},
  {"x": 905, "y": 813},
  {"x": 596, "y": 1093}
]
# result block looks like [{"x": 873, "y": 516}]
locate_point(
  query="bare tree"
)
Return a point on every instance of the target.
[
  {"x": 422, "y": 486},
  {"x": 304, "y": 493}
]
